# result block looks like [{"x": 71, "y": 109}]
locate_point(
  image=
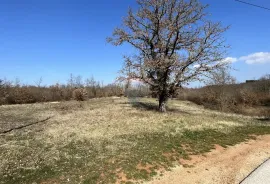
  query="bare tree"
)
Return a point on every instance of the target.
[
  {"x": 17, "y": 82},
  {"x": 171, "y": 37},
  {"x": 78, "y": 81},
  {"x": 75, "y": 81},
  {"x": 71, "y": 81},
  {"x": 1, "y": 88},
  {"x": 90, "y": 82},
  {"x": 91, "y": 85},
  {"x": 38, "y": 82},
  {"x": 265, "y": 77},
  {"x": 221, "y": 76},
  {"x": 1, "y": 83}
]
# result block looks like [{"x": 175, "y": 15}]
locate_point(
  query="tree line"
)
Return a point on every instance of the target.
[{"x": 13, "y": 92}]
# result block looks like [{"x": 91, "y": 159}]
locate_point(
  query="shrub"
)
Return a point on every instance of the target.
[
  {"x": 80, "y": 94},
  {"x": 56, "y": 92},
  {"x": 266, "y": 113},
  {"x": 11, "y": 93},
  {"x": 249, "y": 98},
  {"x": 239, "y": 98},
  {"x": 20, "y": 96}
]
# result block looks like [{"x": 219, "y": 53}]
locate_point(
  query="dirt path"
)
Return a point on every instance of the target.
[{"x": 226, "y": 166}]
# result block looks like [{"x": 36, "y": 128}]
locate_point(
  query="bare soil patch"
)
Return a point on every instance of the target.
[{"x": 222, "y": 165}]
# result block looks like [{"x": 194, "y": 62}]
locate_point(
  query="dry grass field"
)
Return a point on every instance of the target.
[{"x": 111, "y": 140}]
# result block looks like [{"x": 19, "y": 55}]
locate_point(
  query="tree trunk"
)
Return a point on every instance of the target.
[{"x": 162, "y": 103}]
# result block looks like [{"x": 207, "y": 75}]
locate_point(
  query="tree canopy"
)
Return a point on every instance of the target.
[{"x": 176, "y": 44}]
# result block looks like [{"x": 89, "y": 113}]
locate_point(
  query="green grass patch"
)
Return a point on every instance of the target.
[{"x": 92, "y": 161}]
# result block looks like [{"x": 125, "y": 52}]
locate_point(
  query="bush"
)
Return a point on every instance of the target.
[
  {"x": 238, "y": 98},
  {"x": 20, "y": 96},
  {"x": 266, "y": 113},
  {"x": 248, "y": 98},
  {"x": 14, "y": 92},
  {"x": 56, "y": 93},
  {"x": 80, "y": 94}
]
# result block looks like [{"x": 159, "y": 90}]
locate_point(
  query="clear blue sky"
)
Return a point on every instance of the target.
[{"x": 53, "y": 38}]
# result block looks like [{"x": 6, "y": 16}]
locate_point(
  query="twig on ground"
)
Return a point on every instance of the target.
[{"x": 23, "y": 126}]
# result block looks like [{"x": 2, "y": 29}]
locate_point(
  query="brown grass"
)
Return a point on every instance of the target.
[{"x": 93, "y": 133}]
